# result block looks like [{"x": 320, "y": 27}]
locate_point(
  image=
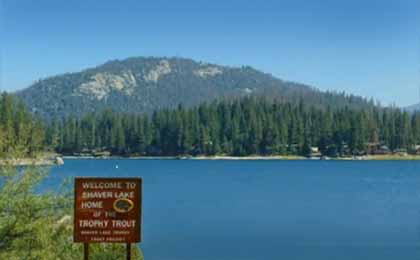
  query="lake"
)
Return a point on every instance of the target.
[{"x": 204, "y": 209}]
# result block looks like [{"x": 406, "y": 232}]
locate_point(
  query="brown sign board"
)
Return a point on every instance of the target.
[{"x": 107, "y": 210}]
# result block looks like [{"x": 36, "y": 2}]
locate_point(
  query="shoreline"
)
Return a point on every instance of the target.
[
  {"x": 217, "y": 157},
  {"x": 59, "y": 159},
  {"x": 252, "y": 158}
]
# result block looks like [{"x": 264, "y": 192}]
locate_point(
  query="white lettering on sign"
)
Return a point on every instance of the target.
[
  {"x": 92, "y": 205},
  {"x": 96, "y": 223},
  {"x": 119, "y": 195},
  {"x": 97, "y": 195},
  {"x": 102, "y": 185},
  {"x": 107, "y": 194},
  {"x": 123, "y": 223}
]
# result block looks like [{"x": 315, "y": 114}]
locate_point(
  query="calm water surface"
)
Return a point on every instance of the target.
[{"x": 270, "y": 209}]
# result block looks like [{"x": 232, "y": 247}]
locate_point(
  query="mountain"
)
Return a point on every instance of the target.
[
  {"x": 144, "y": 84},
  {"x": 413, "y": 108}
]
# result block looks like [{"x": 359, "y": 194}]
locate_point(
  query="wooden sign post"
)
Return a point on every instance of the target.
[{"x": 107, "y": 210}]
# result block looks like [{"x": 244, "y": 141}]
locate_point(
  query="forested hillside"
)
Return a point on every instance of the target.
[
  {"x": 251, "y": 126},
  {"x": 143, "y": 85}
]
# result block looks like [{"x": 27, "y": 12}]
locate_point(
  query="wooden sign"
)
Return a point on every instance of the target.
[{"x": 107, "y": 210}]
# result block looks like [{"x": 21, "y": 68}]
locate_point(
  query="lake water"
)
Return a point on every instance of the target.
[{"x": 270, "y": 209}]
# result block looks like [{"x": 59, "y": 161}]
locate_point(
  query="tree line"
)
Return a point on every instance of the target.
[
  {"x": 249, "y": 126},
  {"x": 21, "y": 134}
]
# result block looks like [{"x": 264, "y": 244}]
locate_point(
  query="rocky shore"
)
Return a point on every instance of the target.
[{"x": 45, "y": 161}]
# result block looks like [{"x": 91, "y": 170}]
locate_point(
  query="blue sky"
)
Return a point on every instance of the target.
[{"x": 366, "y": 47}]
